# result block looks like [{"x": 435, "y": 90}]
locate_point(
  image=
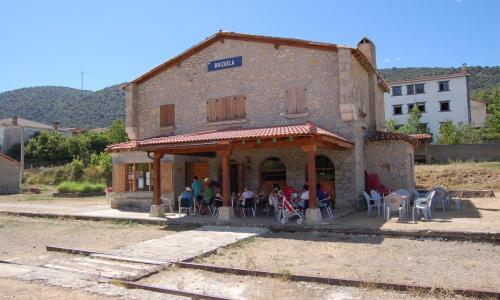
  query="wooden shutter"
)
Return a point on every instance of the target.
[
  {"x": 167, "y": 115},
  {"x": 295, "y": 100},
  {"x": 166, "y": 176},
  {"x": 226, "y": 108},
  {"x": 119, "y": 177}
]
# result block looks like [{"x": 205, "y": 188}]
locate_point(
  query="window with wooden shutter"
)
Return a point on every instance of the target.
[
  {"x": 226, "y": 108},
  {"x": 295, "y": 100},
  {"x": 167, "y": 115}
]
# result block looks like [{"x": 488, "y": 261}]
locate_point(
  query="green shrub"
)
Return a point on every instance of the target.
[
  {"x": 94, "y": 174},
  {"x": 80, "y": 187},
  {"x": 76, "y": 169}
]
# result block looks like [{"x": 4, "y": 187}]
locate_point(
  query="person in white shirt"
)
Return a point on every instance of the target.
[{"x": 304, "y": 197}]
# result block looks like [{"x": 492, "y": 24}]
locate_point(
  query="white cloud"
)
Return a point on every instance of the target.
[{"x": 398, "y": 59}]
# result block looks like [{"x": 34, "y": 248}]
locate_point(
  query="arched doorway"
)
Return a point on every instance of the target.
[
  {"x": 325, "y": 174},
  {"x": 273, "y": 170}
]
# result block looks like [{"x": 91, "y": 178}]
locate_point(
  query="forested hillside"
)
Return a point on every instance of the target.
[
  {"x": 87, "y": 109},
  {"x": 71, "y": 107}
]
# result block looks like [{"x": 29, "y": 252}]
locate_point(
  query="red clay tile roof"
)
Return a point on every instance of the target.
[
  {"x": 388, "y": 136},
  {"x": 422, "y": 136},
  {"x": 428, "y": 78},
  {"x": 306, "y": 129},
  {"x": 131, "y": 145}
]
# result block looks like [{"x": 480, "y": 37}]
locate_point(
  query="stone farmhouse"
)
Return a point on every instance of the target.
[
  {"x": 11, "y": 128},
  {"x": 10, "y": 172},
  {"x": 256, "y": 110}
]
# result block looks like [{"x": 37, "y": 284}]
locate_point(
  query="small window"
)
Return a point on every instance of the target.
[
  {"x": 396, "y": 91},
  {"x": 410, "y": 89},
  {"x": 295, "y": 101},
  {"x": 397, "y": 109},
  {"x": 167, "y": 115},
  {"x": 419, "y": 88},
  {"x": 420, "y": 106},
  {"x": 273, "y": 169},
  {"x": 226, "y": 108},
  {"x": 444, "y": 106},
  {"x": 444, "y": 86}
]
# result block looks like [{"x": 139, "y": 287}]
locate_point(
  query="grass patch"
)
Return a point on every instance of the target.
[{"x": 80, "y": 187}]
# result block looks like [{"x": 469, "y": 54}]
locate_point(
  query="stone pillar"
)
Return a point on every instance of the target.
[
  {"x": 157, "y": 210},
  {"x": 226, "y": 212},
  {"x": 313, "y": 213}
]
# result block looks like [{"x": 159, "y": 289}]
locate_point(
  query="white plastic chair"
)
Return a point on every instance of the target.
[
  {"x": 393, "y": 202},
  {"x": 324, "y": 206},
  {"x": 371, "y": 204},
  {"x": 189, "y": 209},
  {"x": 167, "y": 203},
  {"x": 424, "y": 205},
  {"x": 378, "y": 199},
  {"x": 405, "y": 194},
  {"x": 440, "y": 196}
]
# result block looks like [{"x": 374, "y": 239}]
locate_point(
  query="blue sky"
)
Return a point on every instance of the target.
[{"x": 49, "y": 42}]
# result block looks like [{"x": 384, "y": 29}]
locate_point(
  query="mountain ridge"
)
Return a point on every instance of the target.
[{"x": 93, "y": 109}]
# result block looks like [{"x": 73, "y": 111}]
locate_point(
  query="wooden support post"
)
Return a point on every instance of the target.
[
  {"x": 311, "y": 174},
  {"x": 225, "y": 179},
  {"x": 157, "y": 178}
]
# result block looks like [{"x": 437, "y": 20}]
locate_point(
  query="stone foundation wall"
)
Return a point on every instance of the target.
[{"x": 393, "y": 161}]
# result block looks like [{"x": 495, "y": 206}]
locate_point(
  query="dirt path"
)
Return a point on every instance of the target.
[
  {"x": 248, "y": 287},
  {"x": 421, "y": 262},
  {"x": 18, "y": 289},
  {"x": 23, "y": 239}
]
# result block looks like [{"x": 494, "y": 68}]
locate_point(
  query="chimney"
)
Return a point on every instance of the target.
[
  {"x": 464, "y": 69},
  {"x": 14, "y": 120},
  {"x": 56, "y": 125},
  {"x": 367, "y": 47}
]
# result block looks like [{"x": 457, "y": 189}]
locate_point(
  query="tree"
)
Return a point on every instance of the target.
[
  {"x": 116, "y": 132},
  {"x": 492, "y": 128},
  {"x": 390, "y": 126},
  {"x": 48, "y": 147},
  {"x": 413, "y": 124},
  {"x": 15, "y": 151},
  {"x": 460, "y": 133}
]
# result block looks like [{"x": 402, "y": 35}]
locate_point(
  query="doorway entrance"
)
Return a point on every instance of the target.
[{"x": 199, "y": 169}]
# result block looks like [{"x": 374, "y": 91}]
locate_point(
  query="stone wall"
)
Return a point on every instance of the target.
[
  {"x": 478, "y": 152},
  {"x": 393, "y": 161},
  {"x": 9, "y": 176}
]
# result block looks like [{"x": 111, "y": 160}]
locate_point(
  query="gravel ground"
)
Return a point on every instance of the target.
[
  {"x": 18, "y": 289},
  {"x": 247, "y": 287},
  {"x": 422, "y": 262},
  {"x": 23, "y": 239}
]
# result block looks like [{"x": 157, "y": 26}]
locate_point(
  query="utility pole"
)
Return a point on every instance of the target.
[
  {"x": 21, "y": 174},
  {"x": 81, "y": 77}
]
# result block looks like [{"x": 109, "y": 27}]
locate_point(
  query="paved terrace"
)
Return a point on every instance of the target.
[{"x": 478, "y": 215}]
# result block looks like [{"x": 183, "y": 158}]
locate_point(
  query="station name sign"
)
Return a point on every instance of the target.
[{"x": 225, "y": 63}]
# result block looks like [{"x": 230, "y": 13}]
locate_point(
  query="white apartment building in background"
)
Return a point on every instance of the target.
[{"x": 439, "y": 98}]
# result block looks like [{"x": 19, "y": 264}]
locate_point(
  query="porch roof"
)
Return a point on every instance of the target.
[{"x": 240, "y": 135}]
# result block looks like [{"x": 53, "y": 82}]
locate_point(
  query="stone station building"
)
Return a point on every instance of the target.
[{"x": 253, "y": 110}]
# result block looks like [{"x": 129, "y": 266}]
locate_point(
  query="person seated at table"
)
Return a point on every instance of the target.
[
  {"x": 218, "y": 200},
  {"x": 275, "y": 196},
  {"x": 187, "y": 198},
  {"x": 288, "y": 192},
  {"x": 207, "y": 200},
  {"x": 246, "y": 200},
  {"x": 304, "y": 197}
]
